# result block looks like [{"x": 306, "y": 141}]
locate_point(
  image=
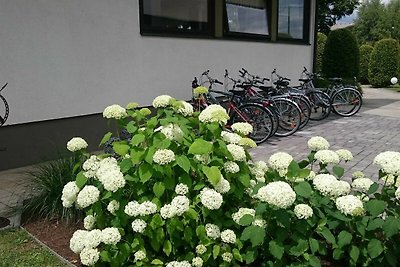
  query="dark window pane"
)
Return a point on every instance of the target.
[
  {"x": 291, "y": 19},
  {"x": 247, "y": 16},
  {"x": 176, "y": 15}
]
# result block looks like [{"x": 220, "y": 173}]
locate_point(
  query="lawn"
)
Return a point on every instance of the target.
[{"x": 17, "y": 248}]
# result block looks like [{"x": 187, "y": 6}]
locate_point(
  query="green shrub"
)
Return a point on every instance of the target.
[
  {"x": 321, "y": 40},
  {"x": 365, "y": 55},
  {"x": 341, "y": 55},
  {"x": 48, "y": 181},
  {"x": 384, "y": 62}
]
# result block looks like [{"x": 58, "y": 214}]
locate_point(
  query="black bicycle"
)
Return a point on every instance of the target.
[{"x": 4, "y": 111}]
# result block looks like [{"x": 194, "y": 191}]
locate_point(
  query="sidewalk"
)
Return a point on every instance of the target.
[{"x": 376, "y": 128}]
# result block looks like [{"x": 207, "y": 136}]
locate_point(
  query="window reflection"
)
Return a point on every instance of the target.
[{"x": 291, "y": 19}]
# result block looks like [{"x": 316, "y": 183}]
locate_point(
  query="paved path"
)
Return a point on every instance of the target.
[{"x": 376, "y": 128}]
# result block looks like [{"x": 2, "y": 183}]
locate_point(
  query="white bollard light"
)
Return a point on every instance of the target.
[{"x": 394, "y": 80}]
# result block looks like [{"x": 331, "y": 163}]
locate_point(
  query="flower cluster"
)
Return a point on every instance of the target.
[
  {"x": 280, "y": 162},
  {"x": 172, "y": 131},
  {"x": 89, "y": 256},
  {"x": 110, "y": 236},
  {"x": 110, "y": 175},
  {"x": 230, "y": 138},
  {"x": 134, "y": 209},
  {"x": 179, "y": 264},
  {"x": 179, "y": 205},
  {"x": 278, "y": 194},
  {"x": 181, "y": 189},
  {"x": 328, "y": 185},
  {"x": 185, "y": 109},
  {"x": 200, "y": 90},
  {"x": 139, "y": 255},
  {"x": 317, "y": 143},
  {"x": 214, "y": 113},
  {"x": 258, "y": 169},
  {"x": 303, "y": 211},
  {"x": 163, "y": 156},
  {"x": 113, "y": 206},
  {"x": 344, "y": 154},
  {"x": 213, "y": 231},
  {"x": 237, "y": 152},
  {"x": 89, "y": 222},
  {"x": 201, "y": 249},
  {"x": 389, "y": 162},
  {"x": 243, "y": 128},
  {"x": 90, "y": 166},
  {"x": 203, "y": 158},
  {"x": 228, "y": 236},
  {"x": 114, "y": 112},
  {"x": 162, "y": 101},
  {"x": 241, "y": 212},
  {"x": 139, "y": 225},
  {"x": 76, "y": 144},
  {"x": 362, "y": 184},
  {"x": 327, "y": 156},
  {"x": 227, "y": 256},
  {"x": 358, "y": 174},
  {"x": 69, "y": 194},
  {"x": 197, "y": 262},
  {"x": 210, "y": 198},
  {"x": 87, "y": 196},
  {"x": 350, "y": 205},
  {"x": 223, "y": 186},
  {"x": 231, "y": 167}
]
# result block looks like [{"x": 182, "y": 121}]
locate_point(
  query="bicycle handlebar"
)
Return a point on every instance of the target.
[{"x": 4, "y": 86}]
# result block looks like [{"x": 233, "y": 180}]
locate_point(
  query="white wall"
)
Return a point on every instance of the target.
[{"x": 66, "y": 58}]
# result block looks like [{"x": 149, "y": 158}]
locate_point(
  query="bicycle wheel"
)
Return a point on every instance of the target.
[
  {"x": 4, "y": 110},
  {"x": 320, "y": 105},
  {"x": 258, "y": 117},
  {"x": 289, "y": 116},
  {"x": 305, "y": 108},
  {"x": 346, "y": 102}
]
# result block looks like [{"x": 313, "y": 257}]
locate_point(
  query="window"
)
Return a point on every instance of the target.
[
  {"x": 247, "y": 17},
  {"x": 175, "y": 16},
  {"x": 291, "y": 19}
]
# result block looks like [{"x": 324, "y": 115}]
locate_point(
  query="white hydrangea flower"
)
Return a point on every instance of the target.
[
  {"x": 147, "y": 208},
  {"x": 362, "y": 184},
  {"x": 89, "y": 256},
  {"x": 186, "y": 109},
  {"x": 247, "y": 142},
  {"x": 132, "y": 208},
  {"x": 113, "y": 206},
  {"x": 325, "y": 183},
  {"x": 163, "y": 156},
  {"x": 389, "y": 162},
  {"x": 199, "y": 90},
  {"x": 210, "y": 198},
  {"x": 110, "y": 175},
  {"x": 78, "y": 241},
  {"x": 90, "y": 166},
  {"x": 139, "y": 225},
  {"x": 114, "y": 112},
  {"x": 168, "y": 211},
  {"x": 358, "y": 174},
  {"x": 93, "y": 238},
  {"x": 213, "y": 231},
  {"x": 214, "y": 113},
  {"x": 242, "y": 128},
  {"x": 327, "y": 156},
  {"x": 227, "y": 256},
  {"x": 181, "y": 189},
  {"x": 76, "y": 144},
  {"x": 172, "y": 132},
  {"x": 342, "y": 188},
  {"x": 278, "y": 194},
  {"x": 397, "y": 193},
  {"x": 350, "y": 205},
  {"x": 311, "y": 176},
  {"x": 204, "y": 158},
  {"x": 228, "y": 236},
  {"x": 89, "y": 222},
  {"x": 344, "y": 154},
  {"x": 230, "y": 138},
  {"x": 237, "y": 152},
  {"x": 201, "y": 249},
  {"x": 303, "y": 211},
  {"x": 260, "y": 223},
  {"x": 317, "y": 143},
  {"x": 69, "y": 194},
  {"x": 241, "y": 212},
  {"x": 280, "y": 162},
  {"x": 231, "y": 167},
  {"x": 162, "y": 101},
  {"x": 179, "y": 264},
  {"x": 197, "y": 262},
  {"x": 180, "y": 204},
  {"x": 389, "y": 180},
  {"x": 223, "y": 186},
  {"x": 110, "y": 235},
  {"x": 87, "y": 196},
  {"x": 139, "y": 255}
]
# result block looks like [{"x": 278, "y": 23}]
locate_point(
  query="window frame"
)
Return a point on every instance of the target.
[{"x": 306, "y": 25}]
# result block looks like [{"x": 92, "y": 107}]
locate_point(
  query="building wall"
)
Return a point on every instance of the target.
[{"x": 68, "y": 58}]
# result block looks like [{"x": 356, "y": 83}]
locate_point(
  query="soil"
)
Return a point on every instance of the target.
[{"x": 56, "y": 235}]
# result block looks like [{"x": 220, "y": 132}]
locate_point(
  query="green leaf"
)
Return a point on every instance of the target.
[
  {"x": 373, "y": 188},
  {"x": 374, "y": 224},
  {"x": 293, "y": 169},
  {"x": 131, "y": 127},
  {"x": 246, "y": 220},
  {"x": 125, "y": 165},
  {"x": 249, "y": 257},
  {"x": 105, "y": 256},
  {"x": 338, "y": 171},
  {"x": 276, "y": 249},
  {"x": 167, "y": 248},
  {"x": 344, "y": 238},
  {"x": 105, "y": 138},
  {"x": 314, "y": 245},
  {"x": 374, "y": 248},
  {"x": 156, "y": 221},
  {"x": 137, "y": 155},
  {"x": 354, "y": 254},
  {"x": 200, "y": 147},
  {"x": 156, "y": 262},
  {"x": 216, "y": 250},
  {"x": 300, "y": 248},
  {"x": 192, "y": 214},
  {"x": 199, "y": 186},
  {"x": 314, "y": 261},
  {"x": 213, "y": 174},
  {"x": 149, "y": 155},
  {"x": 145, "y": 172},
  {"x": 391, "y": 226},
  {"x": 303, "y": 189},
  {"x": 257, "y": 236},
  {"x": 237, "y": 255},
  {"x": 261, "y": 208},
  {"x": 246, "y": 234},
  {"x": 375, "y": 207},
  {"x": 337, "y": 254},
  {"x": 120, "y": 148},
  {"x": 107, "y": 195},
  {"x": 80, "y": 180},
  {"x": 244, "y": 179},
  {"x": 137, "y": 139},
  {"x": 158, "y": 189},
  {"x": 183, "y": 162},
  {"x": 327, "y": 234}
]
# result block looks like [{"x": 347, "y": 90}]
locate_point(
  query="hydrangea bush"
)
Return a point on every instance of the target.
[{"x": 184, "y": 191}]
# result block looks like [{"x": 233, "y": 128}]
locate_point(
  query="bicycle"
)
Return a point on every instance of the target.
[{"x": 4, "y": 114}]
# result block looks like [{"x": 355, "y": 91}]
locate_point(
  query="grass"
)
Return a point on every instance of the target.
[
  {"x": 17, "y": 248},
  {"x": 395, "y": 88}
]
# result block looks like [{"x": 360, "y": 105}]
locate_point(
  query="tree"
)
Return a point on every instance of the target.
[
  {"x": 329, "y": 11},
  {"x": 321, "y": 40}
]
